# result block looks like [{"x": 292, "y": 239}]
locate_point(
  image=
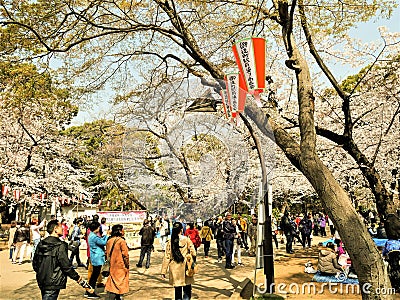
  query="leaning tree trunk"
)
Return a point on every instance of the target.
[{"x": 362, "y": 250}]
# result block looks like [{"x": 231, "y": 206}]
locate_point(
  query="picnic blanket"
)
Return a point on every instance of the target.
[
  {"x": 318, "y": 277},
  {"x": 378, "y": 242}
]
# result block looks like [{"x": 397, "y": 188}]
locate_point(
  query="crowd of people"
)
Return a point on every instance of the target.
[{"x": 180, "y": 242}]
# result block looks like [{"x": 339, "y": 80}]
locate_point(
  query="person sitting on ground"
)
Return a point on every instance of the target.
[
  {"x": 327, "y": 260},
  {"x": 391, "y": 252},
  {"x": 381, "y": 232}
]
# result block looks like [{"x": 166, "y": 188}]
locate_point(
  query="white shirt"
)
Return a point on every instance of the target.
[{"x": 35, "y": 230}]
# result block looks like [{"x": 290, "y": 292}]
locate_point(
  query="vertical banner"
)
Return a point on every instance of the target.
[
  {"x": 17, "y": 195},
  {"x": 225, "y": 104},
  {"x": 4, "y": 190},
  {"x": 236, "y": 92},
  {"x": 250, "y": 58}
]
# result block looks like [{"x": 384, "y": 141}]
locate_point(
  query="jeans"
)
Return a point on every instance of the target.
[
  {"x": 75, "y": 254},
  {"x": 113, "y": 296},
  {"x": 187, "y": 292},
  {"x": 94, "y": 276},
  {"x": 206, "y": 247},
  {"x": 229, "y": 250},
  {"x": 143, "y": 251},
  {"x": 289, "y": 242},
  {"x": 35, "y": 243},
  {"x": 244, "y": 239},
  {"x": 220, "y": 248},
  {"x": 50, "y": 294},
  {"x": 12, "y": 249},
  {"x": 306, "y": 238}
]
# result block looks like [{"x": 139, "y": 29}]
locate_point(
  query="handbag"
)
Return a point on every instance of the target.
[
  {"x": 105, "y": 269},
  {"x": 191, "y": 267},
  {"x": 73, "y": 245}
]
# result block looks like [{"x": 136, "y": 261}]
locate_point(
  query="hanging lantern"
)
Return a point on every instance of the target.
[
  {"x": 117, "y": 203},
  {"x": 100, "y": 202},
  {"x": 42, "y": 196},
  {"x": 235, "y": 87},
  {"x": 250, "y": 58},
  {"x": 62, "y": 201},
  {"x": 108, "y": 203}
]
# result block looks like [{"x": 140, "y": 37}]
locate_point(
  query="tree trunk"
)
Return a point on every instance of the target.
[{"x": 366, "y": 258}]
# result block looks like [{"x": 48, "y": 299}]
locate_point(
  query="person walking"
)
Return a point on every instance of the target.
[
  {"x": 51, "y": 263},
  {"x": 97, "y": 255},
  {"x": 288, "y": 230},
  {"x": 252, "y": 233},
  {"x": 274, "y": 229},
  {"x": 146, "y": 243},
  {"x": 242, "y": 223},
  {"x": 118, "y": 254},
  {"x": 219, "y": 237},
  {"x": 229, "y": 234},
  {"x": 178, "y": 250},
  {"x": 237, "y": 244},
  {"x": 35, "y": 231},
  {"x": 193, "y": 234},
  {"x": 76, "y": 236},
  {"x": 322, "y": 225},
  {"x": 65, "y": 229},
  {"x": 11, "y": 234},
  {"x": 206, "y": 237},
  {"x": 164, "y": 233},
  {"x": 21, "y": 239},
  {"x": 305, "y": 227}
]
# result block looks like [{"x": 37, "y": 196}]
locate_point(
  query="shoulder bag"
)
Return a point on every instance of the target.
[{"x": 105, "y": 269}]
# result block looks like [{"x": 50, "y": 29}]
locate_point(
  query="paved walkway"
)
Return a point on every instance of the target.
[{"x": 212, "y": 282}]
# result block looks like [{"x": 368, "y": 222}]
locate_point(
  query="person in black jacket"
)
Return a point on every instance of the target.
[
  {"x": 229, "y": 234},
  {"x": 52, "y": 265},
  {"x": 148, "y": 233},
  {"x": 21, "y": 241}
]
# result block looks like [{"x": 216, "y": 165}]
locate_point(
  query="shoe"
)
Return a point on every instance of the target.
[
  {"x": 86, "y": 294},
  {"x": 93, "y": 296},
  {"x": 290, "y": 252},
  {"x": 229, "y": 267},
  {"x": 100, "y": 285},
  {"x": 14, "y": 262},
  {"x": 147, "y": 267},
  {"x": 139, "y": 266},
  {"x": 206, "y": 256},
  {"x": 20, "y": 263},
  {"x": 240, "y": 264}
]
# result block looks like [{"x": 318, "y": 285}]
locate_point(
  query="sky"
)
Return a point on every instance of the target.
[{"x": 367, "y": 32}]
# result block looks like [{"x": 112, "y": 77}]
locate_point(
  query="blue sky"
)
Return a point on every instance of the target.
[{"x": 367, "y": 32}]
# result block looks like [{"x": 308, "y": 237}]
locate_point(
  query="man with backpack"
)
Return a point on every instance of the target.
[
  {"x": 52, "y": 265},
  {"x": 146, "y": 244}
]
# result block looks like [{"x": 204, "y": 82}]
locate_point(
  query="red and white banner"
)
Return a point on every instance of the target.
[
  {"x": 42, "y": 196},
  {"x": 235, "y": 88},
  {"x": 17, "y": 194},
  {"x": 119, "y": 217},
  {"x": 250, "y": 58},
  {"x": 225, "y": 104}
]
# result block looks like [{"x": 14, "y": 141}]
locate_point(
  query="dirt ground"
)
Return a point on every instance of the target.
[{"x": 291, "y": 282}]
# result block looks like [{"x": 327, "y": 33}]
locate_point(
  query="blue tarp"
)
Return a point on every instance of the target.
[
  {"x": 323, "y": 278},
  {"x": 378, "y": 242}
]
